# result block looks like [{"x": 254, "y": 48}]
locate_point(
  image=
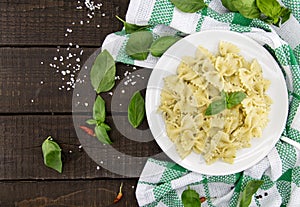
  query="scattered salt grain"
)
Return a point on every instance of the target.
[
  {"x": 77, "y": 94},
  {"x": 118, "y": 157},
  {"x": 103, "y": 14},
  {"x": 42, "y": 63},
  {"x": 77, "y": 59},
  {"x": 81, "y": 22},
  {"x": 42, "y": 82},
  {"x": 133, "y": 83},
  {"x": 98, "y": 167},
  {"x": 101, "y": 162},
  {"x": 32, "y": 100},
  {"x": 70, "y": 151},
  {"x": 63, "y": 72},
  {"x": 133, "y": 187},
  {"x": 86, "y": 104},
  {"x": 123, "y": 91},
  {"x": 110, "y": 93},
  {"x": 55, "y": 58},
  {"x": 98, "y": 25}
]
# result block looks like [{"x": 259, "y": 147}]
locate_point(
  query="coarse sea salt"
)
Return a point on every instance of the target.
[{"x": 72, "y": 59}]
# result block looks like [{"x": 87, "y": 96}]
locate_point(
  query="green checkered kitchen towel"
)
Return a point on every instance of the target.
[{"x": 162, "y": 183}]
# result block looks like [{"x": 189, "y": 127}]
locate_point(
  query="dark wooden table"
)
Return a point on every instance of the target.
[{"x": 37, "y": 99}]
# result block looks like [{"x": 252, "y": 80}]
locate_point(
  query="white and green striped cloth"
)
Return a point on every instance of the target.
[{"x": 162, "y": 183}]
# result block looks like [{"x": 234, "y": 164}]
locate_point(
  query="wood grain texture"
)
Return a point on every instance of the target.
[
  {"x": 76, "y": 193},
  {"x": 40, "y": 43},
  {"x": 27, "y": 86},
  {"x": 32, "y": 23},
  {"x": 21, "y": 157}
]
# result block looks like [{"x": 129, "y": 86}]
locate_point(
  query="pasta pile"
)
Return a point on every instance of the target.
[{"x": 199, "y": 81}]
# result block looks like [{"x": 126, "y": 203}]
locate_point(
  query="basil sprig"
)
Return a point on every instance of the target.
[
  {"x": 136, "y": 109},
  {"x": 52, "y": 154},
  {"x": 190, "y": 198},
  {"x": 250, "y": 189},
  {"x": 99, "y": 114},
  {"x": 227, "y": 101},
  {"x": 273, "y": 11},
  {"x": 270, "y": 11},
  {"x": 189, "y": 6},
  {"x": 131, "y": 28},
  {"x": 103, "y": 72},
  {"x": 162, "y": 44}
]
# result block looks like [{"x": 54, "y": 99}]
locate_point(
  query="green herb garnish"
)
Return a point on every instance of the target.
[
  {"x": 103, "y": 72},
  {"x": 161, "y": 45},
  {"x": 273, "y": 11},
  {"x": 227, "y": 101},
  {"x": 190, "y": 198},
  {"x": 189, "y": 6},
  {"x": 270, "y": 11},
  {"x": 136, "y": 109},
  {"x": 131, "y": 28},
  {"x": 52, "y": 154},
  {"x": 250, "y": 189},
  {"x": 138, "y": 45},
  {"x": 99, "y": 114}
]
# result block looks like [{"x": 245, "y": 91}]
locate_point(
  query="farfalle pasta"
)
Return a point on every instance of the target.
[{"x": 198, "y": 82}]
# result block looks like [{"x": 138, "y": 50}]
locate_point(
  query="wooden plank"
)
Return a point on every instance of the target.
[
  {"x": 21, "y": 157},
  {"x": 76, "y": 193},
  {"x": 26, "y": 22},
  {"x": 33, "y": 80}
]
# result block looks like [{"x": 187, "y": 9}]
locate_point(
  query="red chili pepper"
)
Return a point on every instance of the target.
[
  {"x": 88, "y": 130},
  {"x": 202, "y": 199},
  {"x": 120, "y": 194}
]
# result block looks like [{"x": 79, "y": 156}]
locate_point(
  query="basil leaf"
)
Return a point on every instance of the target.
[
  {"x": 189, "y": 6},
  {"x": 136, "y": 109},
  {"x": 270, "y": 8},
  {"x": 276, "y": 14},
  {"x": 216, "y": 107},
  {"x": 138, "y": 45},
  {"x": 99, "y": 109},
  {"x": 234, "y": 99},
  {"x": 247, "y": 8},
  {"x": 52, "y": 154},
  {"x": 105, "y": 126},
  {"x": 102, "y": 135},
  {"x": 285, "y": 14},
  {"x": 131, "y": 28},
  {"x": 161, "y": 45},
  {"x": 190, "y": 198},
  {"x": 103, "y": 72},
  {"x": 228, "y": 4},
  {"x": 250, "y": 189},
  {"x": 91, "y": 121}
]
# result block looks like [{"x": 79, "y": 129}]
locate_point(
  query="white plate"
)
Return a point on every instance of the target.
[{"x": 250, "y": 49}]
